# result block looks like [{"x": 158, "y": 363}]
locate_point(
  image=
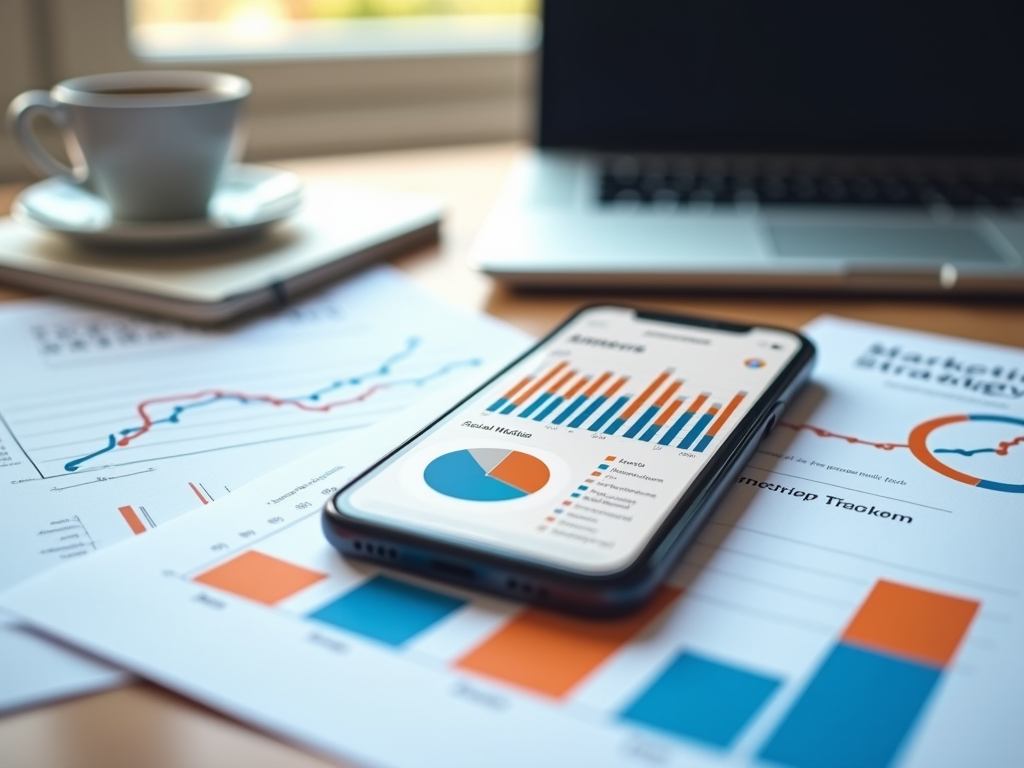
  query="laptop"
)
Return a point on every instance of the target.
[{"x": 854, "y": 145}]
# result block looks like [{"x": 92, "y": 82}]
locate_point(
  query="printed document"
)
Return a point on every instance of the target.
[
  {"x": 112, "y": 425},
  {"x": 856, "y": 600}
]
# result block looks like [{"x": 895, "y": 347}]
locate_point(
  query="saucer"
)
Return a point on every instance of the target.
[{"x": 248, "y": 199}]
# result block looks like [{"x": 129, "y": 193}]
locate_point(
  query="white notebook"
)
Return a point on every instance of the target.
[{"x": 339, "y": 229}]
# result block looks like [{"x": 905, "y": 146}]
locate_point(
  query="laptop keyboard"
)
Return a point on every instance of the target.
[{"x": 624, "y": 181}]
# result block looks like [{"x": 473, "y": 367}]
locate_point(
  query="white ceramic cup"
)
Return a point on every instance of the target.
[{"x": 152, "y": 144}]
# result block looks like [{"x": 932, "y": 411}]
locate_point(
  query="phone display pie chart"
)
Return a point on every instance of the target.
[{"x": 486, "y": 474}]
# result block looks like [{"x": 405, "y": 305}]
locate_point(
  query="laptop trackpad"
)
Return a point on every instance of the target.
[{"x": 942, "y": 243}]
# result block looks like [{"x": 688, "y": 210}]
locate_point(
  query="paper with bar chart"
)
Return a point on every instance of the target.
[
  {"x": 111, "y": 425},
  {"x": 849, "y": 605}
]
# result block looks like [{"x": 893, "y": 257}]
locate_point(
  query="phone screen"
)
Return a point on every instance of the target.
[{"x": 575, "y": 455}]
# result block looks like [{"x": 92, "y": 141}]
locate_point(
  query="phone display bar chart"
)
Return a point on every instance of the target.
[
  {"x": 864, "y": 699},
  {"x": 603, "y": 402}
]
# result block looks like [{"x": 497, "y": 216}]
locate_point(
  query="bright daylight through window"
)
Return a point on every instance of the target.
[{"x": 183, "y": 29}]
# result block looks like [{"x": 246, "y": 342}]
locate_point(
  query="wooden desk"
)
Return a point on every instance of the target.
[{"x": 142, "y": 725}]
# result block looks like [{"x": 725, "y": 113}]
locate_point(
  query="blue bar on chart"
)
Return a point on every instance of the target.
[
  {"x": 601, "y": 420},
  {"x": 697, "y": 428},
  {"x": 723, "y": 417},
  {"x": 546, "y": 395},
  {"x": 702, "y": 699},
  {"x": 502, "y": 401},
  {"x": 597, "y": 403},
  {"x": 866, "y": 697},
  {"x": 558, "y": 400},
  {"x": 652, "y": 410},
  {"x": 387, "y": 610},
  {"x": 663, "y": 419},
  {"x": 581, "y": 399},
  {"x": 642, "y": 398},
  {"x": 682, "y": 421}
]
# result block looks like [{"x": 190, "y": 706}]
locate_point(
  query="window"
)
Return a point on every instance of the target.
[
  {"x": 328, "y": 75},
  {"x": 173, "y": 29}
]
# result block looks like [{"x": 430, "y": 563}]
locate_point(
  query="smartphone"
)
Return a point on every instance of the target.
[{"x": 577, "y": 476}]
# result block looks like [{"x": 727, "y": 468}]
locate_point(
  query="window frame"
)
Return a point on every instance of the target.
[{"x": 22, "y": 67}]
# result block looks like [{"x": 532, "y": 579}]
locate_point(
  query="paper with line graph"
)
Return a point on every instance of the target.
[
  {"x": 112, "y": 425},
  {"x": 853, "y": 602}
]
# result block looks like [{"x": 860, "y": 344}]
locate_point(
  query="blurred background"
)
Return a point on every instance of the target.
[{"x": 329, "y": 75}]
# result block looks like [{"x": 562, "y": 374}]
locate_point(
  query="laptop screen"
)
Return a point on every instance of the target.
[{"x": 859, "y": 76}]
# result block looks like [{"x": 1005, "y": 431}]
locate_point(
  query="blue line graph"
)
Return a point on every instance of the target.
[{"x": 311, "y": 402}]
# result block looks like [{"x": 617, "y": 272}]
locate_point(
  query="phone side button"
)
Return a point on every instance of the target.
[{"x": 772, "y": 420}]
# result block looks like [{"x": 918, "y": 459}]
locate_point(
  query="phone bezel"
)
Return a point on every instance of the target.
[{"x": 413, "y": 550}]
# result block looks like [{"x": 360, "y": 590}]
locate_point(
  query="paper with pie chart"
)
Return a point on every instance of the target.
[{"x": 936, "y": 425}]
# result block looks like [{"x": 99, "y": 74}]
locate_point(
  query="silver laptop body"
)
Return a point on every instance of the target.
[{"x": 628, "y": 189}]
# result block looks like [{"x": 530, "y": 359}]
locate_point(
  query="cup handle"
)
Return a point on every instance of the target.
[{"x": 19, "y": 120}]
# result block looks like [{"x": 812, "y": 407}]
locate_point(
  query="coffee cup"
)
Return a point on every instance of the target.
[{"x": 152, "y": 144}]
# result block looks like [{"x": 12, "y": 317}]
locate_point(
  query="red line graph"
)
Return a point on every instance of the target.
[
  {"x": 227, "y": 394},
  {"x": 820, "y": 432},
  {"x": 1003, "y": 448}
]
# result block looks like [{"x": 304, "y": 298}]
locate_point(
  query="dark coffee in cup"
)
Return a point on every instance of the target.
[{"x": 145, "y": 91}]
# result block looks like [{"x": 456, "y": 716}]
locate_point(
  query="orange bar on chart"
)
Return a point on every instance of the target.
[
  {"x": 667, "y": 414},
  {"x": 576, "y": 387},
  {"x": 911, "y": 623},
  {"x": 667, "y": 394},
  {"x": 551, "y": 653},
  {"x": 616, "y": 387},
  {"x": 132, "y": 519},
  {"x": 532, "y": 389},
  {"x": 522, "y": 383},
  {"x": 261, "y": 578},
  {"x": 640, "y": 399},
  {"x": 725, "y": 414},
  {"x": 696, "y": 404},
  {"x": 597, "y": 384},
  {"x": 560, "y": 383}
]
